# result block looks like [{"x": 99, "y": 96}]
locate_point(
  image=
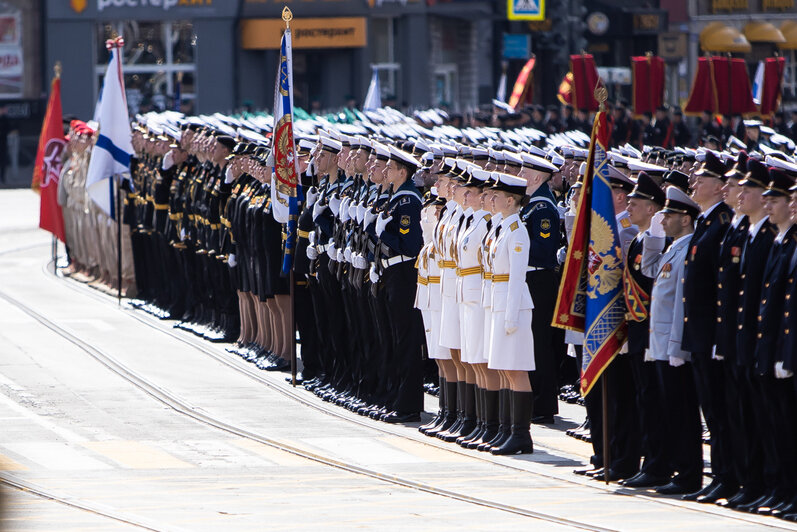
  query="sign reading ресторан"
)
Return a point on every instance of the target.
[
  {"x": 140, "y": 9},
  {"x": 331, "y": 32}
]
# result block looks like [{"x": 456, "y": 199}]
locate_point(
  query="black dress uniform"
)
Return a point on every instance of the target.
[
  {"x": 403, "y": 241},
  {"x": 541, "y": 218},
  {"x": 700, "y": 318}
]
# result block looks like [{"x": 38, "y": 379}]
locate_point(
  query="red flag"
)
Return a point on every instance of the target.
[
  {"x": 522, "y": 91},
  {"x": 585, "y": 81},
  {"x": 733, "y": 90},
  {"x": 771, "y": 90},
  {"x": 703, "y": 95},
  {"x": 565, "y": 94},
  {"x": 48, "y": 164},
  {"x": 648, "y": 84}
]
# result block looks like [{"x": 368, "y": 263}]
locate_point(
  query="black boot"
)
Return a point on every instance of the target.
[
  {"x": 462, "y": 405},
  {"x": 505, "y": 425},
  {"x": 468, "y": 414},
  {"x": 490, "y": 419},
  {"x": 450, "y": 414},
  {"x": 477, "y": 428},
  {"x": 519, "y": 442},
  {"x": 441, "y": 397}
]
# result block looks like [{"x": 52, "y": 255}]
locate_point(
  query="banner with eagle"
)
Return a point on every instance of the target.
[{"x": 591, "y": 297}]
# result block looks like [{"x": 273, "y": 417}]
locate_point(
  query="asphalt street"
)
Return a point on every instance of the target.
[{"x": 111, "y": 419}]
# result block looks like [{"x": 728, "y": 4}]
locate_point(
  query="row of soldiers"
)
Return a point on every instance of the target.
[{"x": 377, "y": 264}]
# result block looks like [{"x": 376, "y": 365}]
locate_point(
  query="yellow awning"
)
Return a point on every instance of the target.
[
  {"x": 760, "y": 31},
  {"x": 789, "y": 31},
  {"x": 721, "y": 38}
]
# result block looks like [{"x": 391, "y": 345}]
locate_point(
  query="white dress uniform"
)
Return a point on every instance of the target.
[
  {"x": 511, "y": 300},
  {"x": 487, "y": 283},
  {"x": 427, "y": 296},
  {"x": 666, "y": 310},
  {"x": 449, "y": 319},
  {"x": 469, "y": 288}
]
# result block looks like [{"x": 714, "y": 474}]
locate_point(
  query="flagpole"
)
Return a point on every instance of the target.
[
  {"x": 118, "y": 241},
  {"x": 287, "y": 16},
  {"x": 601, "y": 95}
]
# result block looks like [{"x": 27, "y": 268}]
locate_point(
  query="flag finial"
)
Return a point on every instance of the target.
[
  {"x": 57, "y": 69},
  {"x": 601, "y": 95},
  {"x": 287, "y": 16}
]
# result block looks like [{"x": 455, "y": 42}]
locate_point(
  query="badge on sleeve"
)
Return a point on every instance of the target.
[
  {"x": 545, "y": 224},
  {"x": 405, "y": 221},
  {"x": 518, "y": 248}
]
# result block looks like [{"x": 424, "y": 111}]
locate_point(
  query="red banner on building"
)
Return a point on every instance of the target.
[
  {"x": 771, "y": 86},
  {"x": 47, "y": 169},
  {"x": 722, "y": 86},
  {"x": 648, "y": 84}
]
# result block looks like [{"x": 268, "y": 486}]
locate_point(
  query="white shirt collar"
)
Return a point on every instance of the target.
[
  {"x": 677, "y": 240},
  {"x": 754, "y": 229},
  {"x": 708, "y": 211}
]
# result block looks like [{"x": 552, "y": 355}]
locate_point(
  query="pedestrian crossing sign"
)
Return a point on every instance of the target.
[{"x": 525, "y": 10}]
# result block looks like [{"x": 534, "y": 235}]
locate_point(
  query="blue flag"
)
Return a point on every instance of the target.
[{"x": 284, "y": 190}]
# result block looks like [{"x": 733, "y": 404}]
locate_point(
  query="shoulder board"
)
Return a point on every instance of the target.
[
  {"x": 724, "y": 217},
  {"x": 625, "y": 223},
  {"x": 513, "y": 226},
  {"x": 488, "y": 217},
  {"x": 541, "y": 200}
]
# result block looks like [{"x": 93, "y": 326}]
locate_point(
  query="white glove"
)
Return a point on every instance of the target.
[
  {"x": 168, "y": 160},
  {"x": 231, "y": 260},
  {"x": 781, "y": 373},
  {"x": 381, "y": 223},
  {"x": 311, "y": 196},
  {"x": 369, "y": 217},
  {"x": 352, "y": 210},
  {"x": 715, "y": 356},
  {"x": 361, "y": 213},
  {"x": 372, "y": 275},
  {"x": 358, "y": 261},
  {"x": 312, "y": 252},
  {"x": 182, "y": 234},
  {"x": 561, "y": 255},
  {"x": 656, "y": 229},
  {"x": 332, "y": 252},
  {"x": 340, "y": 255},
  {"x": 510, "y": 327},
  {"x": 347, "y": 254},
  {"x": 228, "y": 177},
  {"x": 649, "y": 356},
  {"x": 318, "y": 210},
  {"x": 676, "y": 362},
  {"x": 344, "y": 210},
  {"x": 334, "y": 204}
]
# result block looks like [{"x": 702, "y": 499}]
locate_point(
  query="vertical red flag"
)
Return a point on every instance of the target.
[
  {"x": 733, "y": 90},
  {"x": 522, "y": 91},
  {"x": 648, "y": 83},
  {"x": 48, "y": 164},
  {"x": 703, "y": 96},
  {"x": 565, "y": 93},
  {"x": 771, "y": 90},
  {"x": 585, "y": 81}
]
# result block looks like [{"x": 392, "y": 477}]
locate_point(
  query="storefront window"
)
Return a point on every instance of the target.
[
  {"x": 383, "y": 31},
  {"x": 11, "y": 64},
  {"x": 158, "y": 63}
]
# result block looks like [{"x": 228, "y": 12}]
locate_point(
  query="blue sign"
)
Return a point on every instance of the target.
[
  {"x": 516, "y": 46},
  {"x": 525, "y": 9}
]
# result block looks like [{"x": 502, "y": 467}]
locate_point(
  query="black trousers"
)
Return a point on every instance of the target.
[
  {"x": 383, "y": 348},
  {"x": 335, "y": 324},
  {"x": 624, "y": 434},
  {"x": 709, "y": 375},
  {"x": 684, "y": 432},
  {"x": 405, "y": 368},
  {"x": 765, "y": 399},
  {"x": 544, "y": 285},
  {"x": 748, "y": 456},
  {"x": 783, "y": 416},
  {"x": 593, "y": 402},
  {"x": 304, "y": 316},
  {"x": 651, "y": 409}
]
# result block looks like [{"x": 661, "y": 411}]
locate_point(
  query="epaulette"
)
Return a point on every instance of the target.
[{"x": 513, "y": 226}]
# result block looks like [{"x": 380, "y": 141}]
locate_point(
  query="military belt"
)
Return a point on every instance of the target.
[
  {"x": 447, "y": 264},
  {"x": 392, "y": 261},
  {"x": 463, "y": 272},
  {"x": 500, "y": 277}
]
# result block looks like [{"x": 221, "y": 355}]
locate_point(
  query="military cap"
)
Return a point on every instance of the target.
[
  {"x": 404, "y": 158},
  {"x": 329, "y": 144},
  {"x": 679, "y": 202},
  {"x": 617, "y": 179},
  {"x": 226, "y": 141},
  {"x": 647, "y": 189},
  {"x": 757, "y": 175},
  {"x": 381, "y": 150},
  {"x": 635, "y": 165},
  {"x": 537, "y": 163},
  {"x": 739, "y": 168},
  {"x": 509, "y": 183},
  {"x": 712, "y": 167},
  {"x": 781, "y": 182},
  {"x": 512, "y": 159},
  {"x": 676, "y": 178}
]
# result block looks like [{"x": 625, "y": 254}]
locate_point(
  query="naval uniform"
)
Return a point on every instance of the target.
[{"x": 511, "y": 303}]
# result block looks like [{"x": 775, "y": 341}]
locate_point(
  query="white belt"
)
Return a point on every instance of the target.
[
  {"x": 398, "y": 259},
  {"x": 322, "y": 249},
  {"x": 534, "y": 269}
]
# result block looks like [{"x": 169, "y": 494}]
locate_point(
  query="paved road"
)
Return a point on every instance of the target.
[{"x": 125, "y": 423}]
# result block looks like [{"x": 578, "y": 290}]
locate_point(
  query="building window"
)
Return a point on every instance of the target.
[
  {"x": 159, "y": 63},
  {"x": 383, "y": 31},
  {"x": 790, "y": 78},
  {"x": 445, "y": 85}
]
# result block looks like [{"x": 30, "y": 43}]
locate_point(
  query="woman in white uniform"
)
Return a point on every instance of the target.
[{"x": 511, "y": 341}]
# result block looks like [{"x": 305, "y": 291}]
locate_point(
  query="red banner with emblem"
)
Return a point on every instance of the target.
[
  {"x": 522, "y": 92},
  {"x": 585, "y": 81},
  {"x": 648, "y": 84},
  {"x": 47, "y": 169}
]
